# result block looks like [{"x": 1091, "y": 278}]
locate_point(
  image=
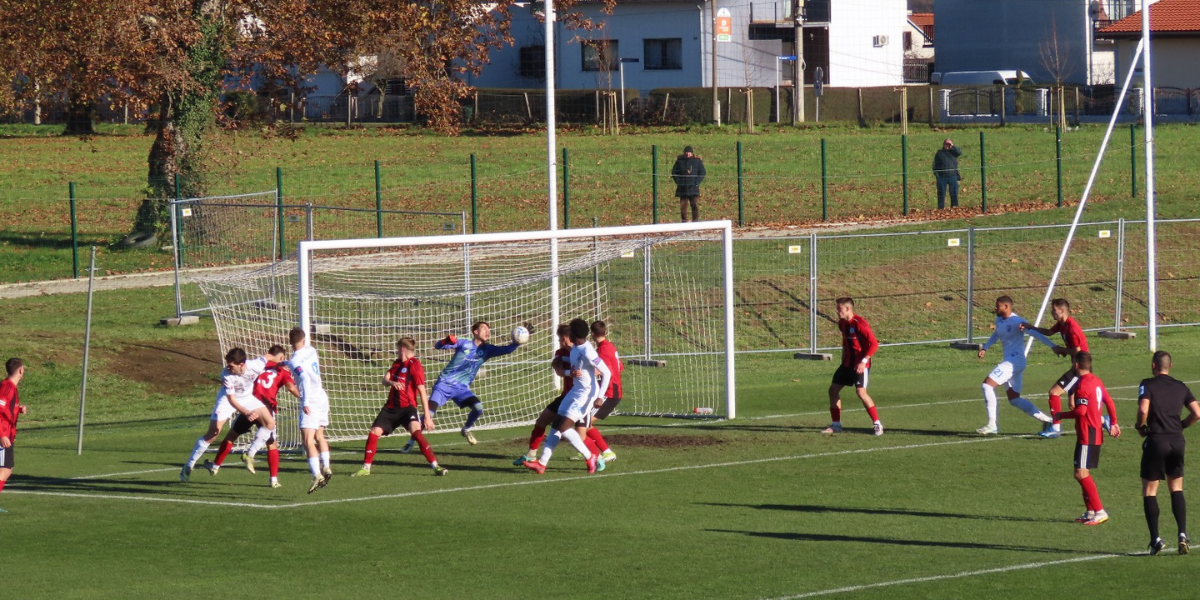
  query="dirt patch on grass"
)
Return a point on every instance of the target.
[
  {"x": 168, "y": 369},
  {"x": 663, "y": 441}
]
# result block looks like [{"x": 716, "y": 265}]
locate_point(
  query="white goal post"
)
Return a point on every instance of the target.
[{"x": 665, "y": 291}]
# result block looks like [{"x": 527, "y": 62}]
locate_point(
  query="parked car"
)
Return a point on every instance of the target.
[{"x": 1000, "y": 77}]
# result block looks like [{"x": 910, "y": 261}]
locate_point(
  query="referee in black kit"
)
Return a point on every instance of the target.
[{"x": 1161, "y": 400}]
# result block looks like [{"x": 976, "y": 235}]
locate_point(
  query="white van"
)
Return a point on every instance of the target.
[{"x": 1002, "y": 77}]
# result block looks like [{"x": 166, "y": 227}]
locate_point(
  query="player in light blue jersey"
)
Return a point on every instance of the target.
[
  {"x": 1011, "y": 371},
  {"x": 454, "y": 382}
]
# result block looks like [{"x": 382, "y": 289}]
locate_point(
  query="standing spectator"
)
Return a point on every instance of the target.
[
  {"x": 945, "y": 169},
  {"x": 688, "y": 172}
]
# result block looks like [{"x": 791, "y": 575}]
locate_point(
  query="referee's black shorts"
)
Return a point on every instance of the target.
[{"x": 1162, "y": 457}]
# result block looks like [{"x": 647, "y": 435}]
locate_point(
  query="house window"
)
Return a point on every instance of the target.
[
  {"x": 600, "y": 55},
  {"x": 907, "y": 41},
  {"x": 533, "y": 62},
  {"x": 664, "y": 55}
]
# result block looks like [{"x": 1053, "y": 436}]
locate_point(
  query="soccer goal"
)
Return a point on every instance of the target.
[{"x": 665, "y": 292}]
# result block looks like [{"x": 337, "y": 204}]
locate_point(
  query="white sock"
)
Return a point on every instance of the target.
[
  {"x": 1058, "y": 427},
  {"x": 548, "y": 446},
  {"x": 989, "y": 398},
  {"x": 1028, "y": 408},
  {"x": 197, "y": 451},
  {"x": 314, "y": 465},
  {"x": 260, "y": 439},
  {"x": 274, "y": 480},
  {"x": 325, "y": 459},
  {"x": 576, "y": 441}
]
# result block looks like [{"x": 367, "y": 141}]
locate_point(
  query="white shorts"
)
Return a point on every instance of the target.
[
  {"x": 575, "y": 409},
  {"x": 1007, "y": 373},
  {"x": 316, "y": 418}
]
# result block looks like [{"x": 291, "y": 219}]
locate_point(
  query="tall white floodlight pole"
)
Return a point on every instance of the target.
[
  {"x": 1148, "y": 114},
  {"x": 551, "y": 165}
]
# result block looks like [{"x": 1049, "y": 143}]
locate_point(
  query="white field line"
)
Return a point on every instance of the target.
[
  {"x": 532, "y": 480},
  {"x": 962, "y": 575}
]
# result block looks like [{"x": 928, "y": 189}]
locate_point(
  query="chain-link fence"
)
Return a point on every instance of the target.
[
  {"x": 212, "y": 234},
  {"x": 940, "y": 286}
]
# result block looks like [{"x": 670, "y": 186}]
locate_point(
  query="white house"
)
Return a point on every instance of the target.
[
  {"x": 1049, "y": 39},
  {"x": 672, "y": 43},
  {"x": 917, "y": 41},
  {"x": 1174, "y": 39}
]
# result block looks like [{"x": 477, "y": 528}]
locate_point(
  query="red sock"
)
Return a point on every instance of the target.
[
  {"x": 273, "y": 461},
  {"x": 2, "y": 482},
  {"x": 594, "y": 435},
  {"x": 425, "y": 449},
  {"x": 874, "y": 413},
  {"x": 226, "y": 448},
  {"x": 537, "y": 437},
  {"x": 836, "y": 412},
  {"x": 1089, "y": 488},
  {"x": 369, "y": 453},
  {"x": 591, "y": 446},
  {"x": 1055, "y": 406}
]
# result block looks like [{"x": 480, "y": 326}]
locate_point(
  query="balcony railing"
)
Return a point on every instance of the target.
[{"x": 813, "y": 11}]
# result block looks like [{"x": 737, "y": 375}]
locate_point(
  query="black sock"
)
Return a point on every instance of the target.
[
  {"x": 1150, "y": 507},
  {"x": 1179, "y": 507}
]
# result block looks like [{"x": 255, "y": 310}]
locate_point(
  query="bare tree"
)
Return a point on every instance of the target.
[{"x": 1058, "y": 63}]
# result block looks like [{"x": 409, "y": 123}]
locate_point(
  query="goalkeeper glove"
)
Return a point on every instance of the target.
[
  {"x": 450, "y": 340},
  {"x": 528, "y": 327}
]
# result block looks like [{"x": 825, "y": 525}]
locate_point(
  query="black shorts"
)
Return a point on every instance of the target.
[
  {"x": 1068, "y": 381},
  {"x": 6, "y": 457},
  {"x": 1087, "y": 457},
  {"x": 1162, "y": 457},
  {"x": 609, "y": 404},
  {"x": 391, "y": 419},
  {"x": 848, "y": 376},
  {"x": 553, "y": 406},
  {"x": 241, "y": 426}
]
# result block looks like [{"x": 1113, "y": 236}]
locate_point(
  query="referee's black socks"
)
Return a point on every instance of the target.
[
  {"x": 1179, "y": 507},
  {"x": 1150, "y": 506}
]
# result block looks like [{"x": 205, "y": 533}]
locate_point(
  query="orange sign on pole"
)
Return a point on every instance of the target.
[{"x": 724, "y": 25}]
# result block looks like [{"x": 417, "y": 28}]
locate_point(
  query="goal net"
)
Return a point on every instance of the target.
[{"x": 664, "y": 291}]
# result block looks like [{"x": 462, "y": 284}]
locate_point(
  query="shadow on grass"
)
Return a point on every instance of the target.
[
  {"x": 818, "y": 537},
  {"x": 212, "y": 488},
  {"x": 816, "y": 508},
  {"x": 56, "y": 241}
]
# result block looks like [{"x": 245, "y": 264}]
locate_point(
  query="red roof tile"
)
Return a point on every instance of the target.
[
  {"x": 921, "y": 19},
  {"x": 1166, "y": 16}
]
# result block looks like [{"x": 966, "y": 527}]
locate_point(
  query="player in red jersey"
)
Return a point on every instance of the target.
[
  {"x": 1089, "y": 429},
  {"x": 858, "y": 346},
  {"x": 1074, "y": 341},
  {"x": 404, "y": 380},
  {"x": 561, "y": 364},
  {"x": 612, "y": 396},
  {"x": 11, "y": 409},
  {"x": 274, "y": 375}
]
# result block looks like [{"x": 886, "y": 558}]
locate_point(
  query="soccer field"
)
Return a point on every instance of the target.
[{"x": 756, "y": 508}]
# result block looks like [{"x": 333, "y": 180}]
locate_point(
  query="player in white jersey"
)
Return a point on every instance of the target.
[
  {"x": 314, "y": 403},
  {"x": 235, "y": 396},
  {"x": 590, "y": 380},
  {"x": 1011, "y": 370}
]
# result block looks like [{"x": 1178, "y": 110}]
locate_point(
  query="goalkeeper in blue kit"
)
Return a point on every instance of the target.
[{"x": 454, "y": 382}]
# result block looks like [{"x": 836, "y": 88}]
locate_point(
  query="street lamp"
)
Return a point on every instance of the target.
[{"x": 621, "y": 68}]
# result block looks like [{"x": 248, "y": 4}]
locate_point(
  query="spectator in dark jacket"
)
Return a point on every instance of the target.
[
  {"x": 945, "y": 169},
  {"x": 688, "y": 172}
]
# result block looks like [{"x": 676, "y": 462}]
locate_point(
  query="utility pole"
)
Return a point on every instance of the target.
[
  {"x": 798, "y": 64},
  {"x": 716, "y": 102}
]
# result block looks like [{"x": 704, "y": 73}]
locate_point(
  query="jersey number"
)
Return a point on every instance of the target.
[{"x": 269, "y": 379}]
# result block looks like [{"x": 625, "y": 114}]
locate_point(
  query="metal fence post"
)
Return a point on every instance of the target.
[
  {"x": 308, "y": 221},
  {"x": 1058, "y": 160},
  {"x": 741, "y": 190},
  {"x": 970, "y": 281},
  {"x": 178, "y": 223},
  {"x": 982, "y": 173},
  {"x": 474, "y": 198},
  {"x": 812, "y": 292},
  {"x": 74, "y": 234},
  {"x": 904, "y": 168},
  {"x": 378, "y": 203},
  {"x": 279, "y": 209},
  {"x": 1120, "y": 273},
  {"x": 646, "y": 307},
  {"x": 654, "y": 183},
  {"x": 566, "y": 189},
  {"x": 824, "y": 187}
]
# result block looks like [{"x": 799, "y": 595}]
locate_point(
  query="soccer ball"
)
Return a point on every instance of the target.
[{"x": 520, "y": 335}]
